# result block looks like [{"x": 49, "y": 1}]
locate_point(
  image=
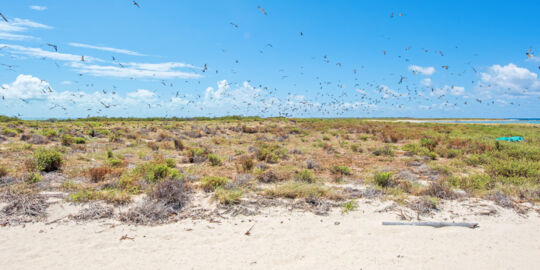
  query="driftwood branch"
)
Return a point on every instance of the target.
[{"x": 434, "y": 224}]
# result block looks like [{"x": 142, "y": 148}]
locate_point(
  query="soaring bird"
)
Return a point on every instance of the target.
[
  {"x": 4, "y": 17},
  {"x": 234, "y": 24},
  {"x": 82, "y": 58},
  {"x": 53, "y": 46},
  {"x": 445, "y": 67},
  {"x": 136, "y": 4},
  {"x": 204, "y": 68},
  {"x": 530, "y": 54},
  {"x": 263, "y": 11}
]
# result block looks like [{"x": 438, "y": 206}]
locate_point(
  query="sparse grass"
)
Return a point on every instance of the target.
[
  {"x": 305, "y": 176},
  {"x": 227, "y": 196},
  {"x": 295, "y": 189},
  {"x": 211, "y": 183},
  {"x": 255, "y": 152},
  {"x": 214, "y": 160},
  {"x": 349, "y": 206}
]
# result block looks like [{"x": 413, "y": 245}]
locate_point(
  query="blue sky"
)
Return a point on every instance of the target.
[{"x": 265, "y": 66}]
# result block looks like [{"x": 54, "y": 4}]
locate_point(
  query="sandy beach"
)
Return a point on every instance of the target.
[{"x": 283, "y": 239}]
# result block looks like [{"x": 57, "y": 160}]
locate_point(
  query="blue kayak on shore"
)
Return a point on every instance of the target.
[{"x": 511, "y": 139}]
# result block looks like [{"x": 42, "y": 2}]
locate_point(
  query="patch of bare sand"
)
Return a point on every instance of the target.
[{"x": 283, "y": 239}]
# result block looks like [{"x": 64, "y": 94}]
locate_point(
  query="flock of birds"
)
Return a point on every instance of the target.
[{"x": 332, "y": 98}]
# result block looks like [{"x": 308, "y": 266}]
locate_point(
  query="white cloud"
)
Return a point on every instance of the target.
[
  {"x": 389, "y": 92},
  {"x": 136, "y": 70},
  {"x": 428, "y": 71},
  {"x": 510, "y": 78},
  {"x": 10, "y": 36},
  {"x": 426, "y": 82},
  {"x": 453, "y": 90},
  {"x": 107, "y": 49},
  {"x": 25, "y": 87},
  {"x": 24, "y": 24},
  {"x": 38, "y": 8},
  {"x": 142, "y": 94},
  {"x": 38, "y": 52}
]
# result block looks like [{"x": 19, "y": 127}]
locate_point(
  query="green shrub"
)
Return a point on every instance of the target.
[
  {"x": 515, "y": 168},
  {"x": 156, "y": 172},
  {"x": 305, "y": 176},
  {"x": 110, "y": 154},
  {"x": 227, "y": 196},
  {"x": 296, "y": 189},
  {"x": 48, "y": 160},
  {"x": 383, "y": 179},
  {"x": 171, "y": 163},
  {"x": 79, "y": 140},
  {"x": 50, "y": 133},
  {"x": 33, "y": 178},
  {"x": 211, "y": 183},
  {"x": 343, "y": 170},
  {"x": 475, "y": 160},
  {"x": 428, "y": 143},
  {"x": 67, "y": 140},
  {"x": 115, "y": 162},
  {"x": 10, "y": 132},
  {"x": 349, "y": 206},
  {"x": 214, "y": 160},
  {"x": 477, "y": 181},
  {"x": 384, "y": 151}
]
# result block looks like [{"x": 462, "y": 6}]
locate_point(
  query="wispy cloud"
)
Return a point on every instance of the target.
[
  {"x": 10, "y": 30},
  {"x": 10, "y": 36},
  {"x": 40, "y": 53},
  {"x": 38, "y": 8},
  {"x": 107, "y": 49},
  {"x": 137, "y": 70},
  {"x": 428, "y": 71}
]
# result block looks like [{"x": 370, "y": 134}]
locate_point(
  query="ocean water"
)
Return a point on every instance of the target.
[{"x": 505, "y": 121}]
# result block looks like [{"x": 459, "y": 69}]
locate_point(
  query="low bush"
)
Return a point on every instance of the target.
[
  {"x": 48, "y": 160},
  {"x": 295, "y": 189},
  {"x": 383, "y": 179},
  {"x": 305, "y": 176},
  {"x": 227, "y": 196},
  {"x": 214, "y": 160},
  {"x": 211, "y": 183},
  {"x": 342, "y": 170}
]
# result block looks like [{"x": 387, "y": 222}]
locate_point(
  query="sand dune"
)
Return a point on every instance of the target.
[{"x": 282, "y": 239}]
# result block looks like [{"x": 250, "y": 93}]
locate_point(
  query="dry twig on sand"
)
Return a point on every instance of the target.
[{"x": 434, "y": 224}]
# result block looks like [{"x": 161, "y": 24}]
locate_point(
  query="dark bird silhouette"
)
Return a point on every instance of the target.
[
  {"x": 262, "y": 10},
  {"x": 204, "y": 68},
  {"x": 234, "y": 24},
  {"x": 4, "y": 17},
  {"x": 136, "y": 4},
  {"x": 53, "y": 46}
]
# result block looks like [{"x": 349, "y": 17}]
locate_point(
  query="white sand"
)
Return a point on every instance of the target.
[{"x": 282, "y": 239}]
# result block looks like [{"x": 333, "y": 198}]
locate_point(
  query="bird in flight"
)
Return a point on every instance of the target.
[
  {"x": 530, "y": 54},
  {"x": 136, "y": 4},
  {"x": 204, "y": 68},
  {"x": 53, "y": 46},
  {"x": 234, "y": 24},
  {"x": 82, "y": 58},
  {"x": 445, "y": 67},
  {"x": 263, "y": 11},
  {"x": 4, "y": 17}
]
